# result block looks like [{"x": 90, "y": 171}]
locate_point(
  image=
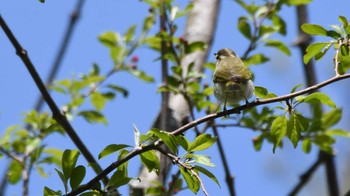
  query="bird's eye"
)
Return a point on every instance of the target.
[{"x": 216, "y": 56}]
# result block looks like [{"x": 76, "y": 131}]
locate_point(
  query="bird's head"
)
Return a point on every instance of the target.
[{"x": 223, "y": 53}]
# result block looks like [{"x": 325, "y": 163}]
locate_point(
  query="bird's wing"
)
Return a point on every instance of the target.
[{"x": 228, "y": 72}]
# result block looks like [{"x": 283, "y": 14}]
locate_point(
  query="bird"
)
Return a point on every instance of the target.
[{"x": 232, "y": 79}]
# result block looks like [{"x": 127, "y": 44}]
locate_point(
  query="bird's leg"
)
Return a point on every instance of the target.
[{"x": 225, "y": 106}]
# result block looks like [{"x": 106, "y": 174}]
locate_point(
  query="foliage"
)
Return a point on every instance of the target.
[{"x": 26, "y": 148}]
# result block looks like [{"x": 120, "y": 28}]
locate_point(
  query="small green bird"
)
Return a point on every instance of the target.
[{"x": 232, "y": 79}]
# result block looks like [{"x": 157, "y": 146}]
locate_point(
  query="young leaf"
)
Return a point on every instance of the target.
[
  {"x": 306, "y": 145},
  {"x": 344, "y": 21},
  {"x": 244, "y": 27},
  {"x": 150, "y": 160},
  {"x": 98, "y": 100},
  {"x": 262, "y": 92},
  {"x": 119, "y": 89},
  {"x": 14, "y": 172},
  {"x": 108, "y": 39},
  {"x": 313, "y": 50},
  {"x": 201, "y": 142},
  {"x": 207, "y": 173},
  {"x": 129, "y": 35},
  {"x": 137, "y": 136},
  {"x": 331, "y": 118},
  {"x": 141, "y": 75},
  {"x": 314, "y": 29},
  {"x": 93, "y": 116},
  {"x": 69, "y": 159},
  {"x": 111, "y": 149},
  {"x": 168, "y": 139},
  {"x": 195, "y": 46},
  {"x": 338, "y": 132},
  {"x": 256, "y": 59},
  {"x": 202, "y": 159},
  {"x": 319, "y": 97},
  {"x": 257, "y": 142},
  {"x": 191, "y": 181},
  {"x": 118, "y": 179},
  {"x": 295, "y": 88},
  {"x": 77, "y": 176},
  {"x": 279, "y": 45},
  {"x": 278, "y": 130},
  {"x": 50, "y": 192}
]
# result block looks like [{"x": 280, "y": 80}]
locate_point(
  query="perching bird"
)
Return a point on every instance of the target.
[{"x": 232, "y": 79}]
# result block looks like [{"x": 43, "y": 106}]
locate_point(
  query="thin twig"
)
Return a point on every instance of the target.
[
  {"x": 56, "y": 113},
  {"x": 206, "y": 118}
]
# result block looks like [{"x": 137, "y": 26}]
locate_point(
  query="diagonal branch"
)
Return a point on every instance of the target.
[
  {"x": 194, "y": 123},
  {"x": 56, "y": 113}
]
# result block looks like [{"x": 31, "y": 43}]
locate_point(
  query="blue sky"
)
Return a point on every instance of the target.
[{"x": 39, "y": 28}]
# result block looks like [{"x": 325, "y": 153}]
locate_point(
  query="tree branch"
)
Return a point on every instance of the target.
[
  {"x": 57, "y": 115},
  {"x": 194, "y": 123}
]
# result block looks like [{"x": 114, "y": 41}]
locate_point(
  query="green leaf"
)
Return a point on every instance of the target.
[
  {"x": 325, "y": 142},
  {"x": 338, "y": 132},
  {"x": 69, "y": 159},
  {"x": 14, "y": 173},
  {"x": 108, "y": 39},
  {"x": 50, "y": 192},
  {"x": 141, "y": 75},
  {"x": 338, "y": 29},
  {"x": 344, "y": 64},
  {"x": 256, "y": 59},
  {"x": 42, "y": 1},
  {"x": 306, "y": 145},
  {"x": 98, "y": 100},
  {"x": 195, "y": 46},
  {"x": 244, "y": 27},
  {"x": 344, "y": 21},
  {"x": 331, "y": 118},
  {"x": 298, "y": 2},
  {"x": 295, "y": 88},
  {"x": 32, "y": 145},
  {"x": 278, "y": 130},
  {"x": 111, "y": 149},
  {"x": 129, "y": 35},
  {"x": 201, "y": 142},
  {"x": 279, "y": 24},
  {"x": 168, "y": 139},
  {"x": 314, "y": 29},
  {"x": 191, "y": 181},
  {"x": 296, "y": 124},
  {"x": 77, "y": 176},
  {"x": 319, "y": 55},
  {"x": 279, "y": 45},
  {"x": 262, "y": 92},
  {"x": 119, "y": 89},
  {"x": 118, "y": 179},
  {"x": 202, "y": 159},
  {"x": 93, "y": 116},
  {"x": 257, "y": 142},
  {"x": 207, "y": 173},
  {"x": 153, "y": 42},
  {"x": 313, "y": 50},
  {"x": 148, "y": 22},
  {"x": 150, "y": 160},
  {"x": 183, "y": 142},
  {"x": 319, "y": 97},
  {"x": 61, "y": 175}
]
